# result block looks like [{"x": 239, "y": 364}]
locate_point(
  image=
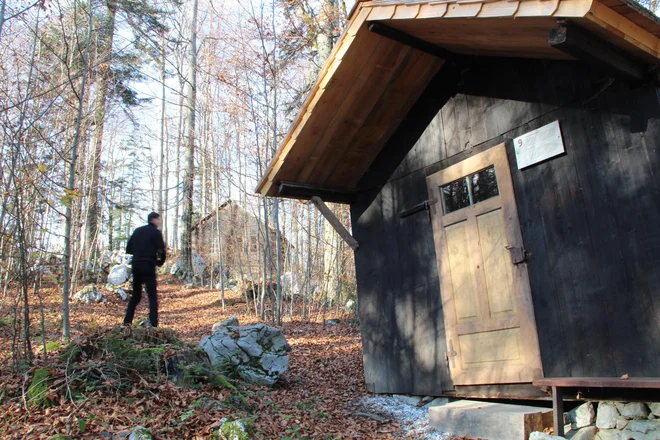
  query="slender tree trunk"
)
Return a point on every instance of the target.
[
  {"x": 189, "y": 175},
  {"x": 163, "y": 121},
  {"x": 92, "y": 221},
  {"x": 71, "y": 186}
]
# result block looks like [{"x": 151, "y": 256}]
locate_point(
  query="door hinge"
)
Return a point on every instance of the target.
[
  {"x": 425, "y": 205},
  {"x": 518, "y": 254}
]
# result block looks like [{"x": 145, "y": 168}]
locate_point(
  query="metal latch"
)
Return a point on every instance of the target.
[
  {"x": 451, "y": 354},
  {"x": 518, "y": 254},
  {"x": 425, "y": 205}
]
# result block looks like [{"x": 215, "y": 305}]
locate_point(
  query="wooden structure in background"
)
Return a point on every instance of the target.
[
  {"x": 475, "y": 276},
  {"x": 237, "y": 236}
]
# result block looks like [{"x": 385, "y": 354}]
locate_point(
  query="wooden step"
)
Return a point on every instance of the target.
[{"x": 487, "y": 420}]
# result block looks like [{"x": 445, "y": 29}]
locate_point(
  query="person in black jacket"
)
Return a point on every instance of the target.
[{"x": 148, "y": 250}]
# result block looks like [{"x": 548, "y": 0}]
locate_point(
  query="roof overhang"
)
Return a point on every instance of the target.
[{"x": 389, "y": 53}]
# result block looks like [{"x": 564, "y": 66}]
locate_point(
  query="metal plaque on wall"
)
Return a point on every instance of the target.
[{"x": 536, "y": 146}]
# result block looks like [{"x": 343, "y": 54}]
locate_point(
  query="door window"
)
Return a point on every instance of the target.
[{"x": 469, "y": 190}]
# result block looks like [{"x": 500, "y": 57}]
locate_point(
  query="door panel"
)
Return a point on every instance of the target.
[
  {"x": 489, "y": 348},
  {"x": 463, "y": 276},
  {"x": 497, "y": 264},
  {"x": 489, "y": 319}
]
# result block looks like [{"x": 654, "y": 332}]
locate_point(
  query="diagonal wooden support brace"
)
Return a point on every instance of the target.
[{"x": 334, "y": 221}]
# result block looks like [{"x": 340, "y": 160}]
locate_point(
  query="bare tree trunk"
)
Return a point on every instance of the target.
[
  {"x": 71, "y": 185},
  {"x": 2, "y": 16},
  {"x": 179, "y": 143},
  {"x": 163, "y": 121},
  {"x": 324, "y": 37},
  {"x": 189, "y": 175},
  {"x": 91, "y": 225}
]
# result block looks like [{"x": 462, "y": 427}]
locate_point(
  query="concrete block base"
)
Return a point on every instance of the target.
[{"x": 487, "y": 420}]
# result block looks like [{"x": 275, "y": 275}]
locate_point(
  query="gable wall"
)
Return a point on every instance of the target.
[{"x": 589, "y": 218}]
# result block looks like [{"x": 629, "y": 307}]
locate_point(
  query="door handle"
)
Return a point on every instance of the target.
[{"x": 518, "y": 254}]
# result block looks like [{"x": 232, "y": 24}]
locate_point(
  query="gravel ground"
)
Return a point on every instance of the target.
[{"x": 413, "y": 420}]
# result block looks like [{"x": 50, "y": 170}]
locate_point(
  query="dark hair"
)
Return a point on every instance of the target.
[{"x": 152, "y": 216}]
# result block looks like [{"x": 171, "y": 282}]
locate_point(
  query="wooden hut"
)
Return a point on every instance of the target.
[
  {"x": 502, "y": 163},
  {"x": 234, "y": 238}
]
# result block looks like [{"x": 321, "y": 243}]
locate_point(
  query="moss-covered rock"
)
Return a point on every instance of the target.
[
  {"x": 37, "y": 393},
  {"x": 147, "y": 351},
  {"x": 240, "y": 429},
  {"x": 140, "y": 349}
]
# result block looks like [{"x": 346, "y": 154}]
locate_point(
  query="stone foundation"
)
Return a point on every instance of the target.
[{"x": 609, "y": 420}]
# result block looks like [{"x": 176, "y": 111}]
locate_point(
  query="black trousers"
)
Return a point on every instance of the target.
[{"x": 143, "y": 274}]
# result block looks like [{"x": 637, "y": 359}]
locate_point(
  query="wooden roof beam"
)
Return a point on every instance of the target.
[
  {"x": 335, "y": 223},
  {"x": 306, "y": 192},
  {"x": 587, "y": 47},
  {"x": 411, "y": 41}
]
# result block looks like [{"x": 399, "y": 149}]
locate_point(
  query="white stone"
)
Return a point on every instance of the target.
[
  {"x": 121, "y": 294},
  {"x": 635, "y": 410},
  {"x": 233, "y": 430},
  {"x": 607, "y": 415},
  {"x": 586, "y": 433},
  {"x": 643, "y": 426},
  {"x": 621, "y": 423},
  {"x": 655, "y": 408},
  {"x": 140, "y": 433},
  {"x": 409, "y": 400},
  {"x": 258, "y": 351},
  {"x": 118, "y": 275},
  {"x": 608, "y": 434},
  {"x": 350, "y": 306},
  {"x": 232, "y": 321},
  {"x": 176, "y": 267},
  {"x": 331, "y": 322},
  {"x": 537, "y": 435},
  {"x": 197, "y": 262},
  {"x": 583, "y": 415},
  {"x": 89, "y": 294}
]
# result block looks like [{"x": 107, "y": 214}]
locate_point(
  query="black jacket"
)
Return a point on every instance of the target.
[{"x": 147, "y": 246}]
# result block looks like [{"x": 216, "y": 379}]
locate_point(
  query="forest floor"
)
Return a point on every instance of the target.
[{"x": 320, "y": 396}]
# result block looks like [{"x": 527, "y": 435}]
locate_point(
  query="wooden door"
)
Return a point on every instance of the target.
[{"x": 488, "y": 313}]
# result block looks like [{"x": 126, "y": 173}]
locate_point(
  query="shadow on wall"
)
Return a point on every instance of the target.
[{"x": 589, "y": 218}]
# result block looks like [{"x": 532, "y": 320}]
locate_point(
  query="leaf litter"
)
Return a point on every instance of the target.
[{"x": 314, "y": 400}]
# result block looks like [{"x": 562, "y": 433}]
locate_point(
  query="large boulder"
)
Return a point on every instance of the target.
[
  {"x": 198, "y": 264},
  {"x": 258, "y": 352},
  {"x": 176, "y": 267},
  {"x": 106, "y": 259},
  {"x": 118, "y": 275},
  {"x": 89, "y": 294}
]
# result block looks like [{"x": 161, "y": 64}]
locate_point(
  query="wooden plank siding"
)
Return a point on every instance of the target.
[{"x": 589, "y": 219}]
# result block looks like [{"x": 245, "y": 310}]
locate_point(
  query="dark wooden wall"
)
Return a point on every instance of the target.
[{"x": 590, "y": 218}]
